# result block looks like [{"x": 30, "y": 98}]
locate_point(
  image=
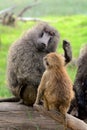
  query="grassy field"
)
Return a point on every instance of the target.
[{"x": 72, "y": 28}]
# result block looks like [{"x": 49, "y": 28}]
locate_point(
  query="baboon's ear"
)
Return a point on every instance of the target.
[{"x": 67, "y": 51}]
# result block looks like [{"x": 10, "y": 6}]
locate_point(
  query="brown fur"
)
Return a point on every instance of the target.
[{"x": 55, "y": 87}]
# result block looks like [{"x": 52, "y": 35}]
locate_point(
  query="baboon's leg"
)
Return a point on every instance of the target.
[
  {"x": 46, "y": 104},
  {"x": 52, "y": 107},
  {"x": 39, "y": 97},
  {"x": 73, "y": 110},
  {"x": 63, "y": 111}
]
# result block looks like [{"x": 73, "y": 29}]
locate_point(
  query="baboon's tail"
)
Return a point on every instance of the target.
[{"x": 11, "y": 99}]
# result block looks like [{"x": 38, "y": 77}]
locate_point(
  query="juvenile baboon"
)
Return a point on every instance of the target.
[
  {"x": 80, "y": 84},
  {"x": 25, "y": 64},
  {"x": 55, "y": 87}
]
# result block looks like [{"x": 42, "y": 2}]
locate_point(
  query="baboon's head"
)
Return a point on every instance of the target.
[
  {"x": 45, "y": 37},
  {"x": 53, "y": 60}
]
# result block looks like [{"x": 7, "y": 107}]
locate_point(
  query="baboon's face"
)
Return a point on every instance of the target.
[
  {"x": 47, "y": 38},
  {"x": 44, "y": 39},
  {"x": 53, "y": 60}
]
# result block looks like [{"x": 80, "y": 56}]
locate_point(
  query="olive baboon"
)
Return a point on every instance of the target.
[
  {"x": 55, "y": 87},
  {"x": 9, "y": 19},
  {"x": 25, "y": 64},
  {"x": 80, "y": 84}
]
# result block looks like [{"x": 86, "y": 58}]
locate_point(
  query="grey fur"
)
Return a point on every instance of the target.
[{"x": 25, "y": 64}]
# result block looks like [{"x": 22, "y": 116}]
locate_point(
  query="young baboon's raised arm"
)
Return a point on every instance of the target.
[
  {"x": 25, "y": 64},
  {"x": 55, "y": 86}
]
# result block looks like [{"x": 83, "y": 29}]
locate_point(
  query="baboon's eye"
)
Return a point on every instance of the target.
[
  {"x": 47, "y": 63},
  {"x": 41, "y": 35},
  {"x": 50, "y": 40},
  {"x": 52, "y": 33},
  {"x": 45, "y": 30}
]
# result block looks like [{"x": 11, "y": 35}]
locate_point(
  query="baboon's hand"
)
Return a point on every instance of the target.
[
  {"x": 67, "y": 51},
  {"x": 35, "y": 105},
  {"x": 66, "y": 44}
]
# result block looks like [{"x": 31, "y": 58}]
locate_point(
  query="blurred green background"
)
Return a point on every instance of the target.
[
  {"x": 48, "y": 7},
  {"x": 69, "y": 17}
]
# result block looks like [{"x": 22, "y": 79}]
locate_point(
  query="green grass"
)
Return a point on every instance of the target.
[{"x": 72, "y": 28}]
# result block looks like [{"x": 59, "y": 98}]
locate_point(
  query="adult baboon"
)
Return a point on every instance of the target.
[
  {"x": 80, "y": 84},
  {"x": 25, "y": 64},
  {"x": 55, "y": 87}
]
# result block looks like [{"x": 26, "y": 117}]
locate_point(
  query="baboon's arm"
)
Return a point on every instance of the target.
[
  {"x": 67, "y": 51},
  {"x": 41, "y": 89}
]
